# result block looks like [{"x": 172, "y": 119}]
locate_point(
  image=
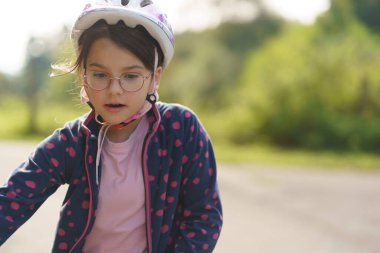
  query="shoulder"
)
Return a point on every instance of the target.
[
  {"x": 71, "y": 132},
  {"x": 179, "y": 119},
  {"x": 172, "y": 111}
]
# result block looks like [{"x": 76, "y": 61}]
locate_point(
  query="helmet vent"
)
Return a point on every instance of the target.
[
  {"x": 124, "y": 2},
  {"x": 145, "y": 3}
]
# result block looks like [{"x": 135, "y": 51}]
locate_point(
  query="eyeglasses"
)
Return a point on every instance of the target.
[{"x": 129, "y": 81}]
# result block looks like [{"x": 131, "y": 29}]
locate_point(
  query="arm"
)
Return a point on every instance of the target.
[
  {"x": 31, "y": 184},
  {"x": 202, "y": 212}
]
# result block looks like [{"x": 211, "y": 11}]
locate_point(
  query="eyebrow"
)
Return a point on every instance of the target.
[{"x": 131, "y": 67}]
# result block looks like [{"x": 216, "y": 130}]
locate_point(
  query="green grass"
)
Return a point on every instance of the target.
[
  {"x": 267, "y": 155},
  {"x": 14, "y": 118}
]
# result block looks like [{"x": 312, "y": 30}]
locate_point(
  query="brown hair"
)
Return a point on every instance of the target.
[{"x": 137, "y": 40}]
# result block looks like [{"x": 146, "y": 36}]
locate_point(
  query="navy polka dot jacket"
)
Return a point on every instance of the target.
[{"x": 183, "y": 208}]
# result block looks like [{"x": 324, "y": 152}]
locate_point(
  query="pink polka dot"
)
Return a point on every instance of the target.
[
  {"x": 160, "y": 213},
  {"x": 54, "y": 162},
  {"x": 63, "y": 137},
  {"x": 185, "y": 159},
  {"x": 174, "y": 184},
  {"x": 176, "y": 125},
  {"x": 11, "y": 195},
  {"x": 62, "y": 246},
  {"x": 170, "y": 199},
  {"x": 215, "y": 236},
  {"x": 151, "y": 178},
  {"x": 196, "y": 181},
  {"x": 50, "y": 146},
  {"x": 204, "y": 216},
  {"x": 187, "y": 115},
  {"x": 90, "y": 159},
  {"x": 205, "y": 246},
  {"x": 190, "y": 235},
  {"x": 187, "y": 213},
  {"x": 30, "y": 184},
  {"x": 166, "y": 178},
  {"x": 178, "y": 143},
  {"x": 163, "y": 196},
  {"x": 203, "y": 231},
  {"x": 162, "y": 152},
  {"x": 164, "y": 229},
  {"x": 71, "y": 152},
  {"x": 85, "y": 204},
  {"x": 71, "y": 224},
  {"x": 61, "y": 232},
  {"x": 9, "y": 218},
  {"x": 15, "y": 206},
  {"x": 168, "y": 115},
  {"x": 196, "y": 156}
]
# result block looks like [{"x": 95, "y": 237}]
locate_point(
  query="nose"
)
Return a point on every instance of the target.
[{"x": 115, "y": 86}]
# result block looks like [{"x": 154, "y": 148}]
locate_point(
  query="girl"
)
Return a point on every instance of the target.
[{"x": 141, "y": 174}]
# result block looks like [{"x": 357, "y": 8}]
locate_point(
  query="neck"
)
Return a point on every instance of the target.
[{"x": 116, "y": 134}]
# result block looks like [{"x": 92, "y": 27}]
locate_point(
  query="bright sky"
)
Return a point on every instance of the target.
[{"x": 43, "y": 17}]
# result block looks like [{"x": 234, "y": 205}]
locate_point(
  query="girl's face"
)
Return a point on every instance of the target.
[{"x": 114, "y": 104}]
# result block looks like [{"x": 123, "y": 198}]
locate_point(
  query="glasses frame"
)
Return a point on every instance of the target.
[{"x": 110, "y": 78}]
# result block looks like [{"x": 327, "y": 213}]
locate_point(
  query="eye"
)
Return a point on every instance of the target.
[
  {"x": 130, "y": 76},
  {"x": 99, "y": 75}
]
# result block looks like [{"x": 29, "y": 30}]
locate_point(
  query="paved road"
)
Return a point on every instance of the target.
[{"x": 266, "y": 210}]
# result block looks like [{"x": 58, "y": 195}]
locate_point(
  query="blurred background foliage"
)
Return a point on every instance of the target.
[{"x": 265, "y": 80}]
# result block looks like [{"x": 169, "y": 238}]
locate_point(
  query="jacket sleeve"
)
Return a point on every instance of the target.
[
  {"x": 32, "y": 183},
  {"x": 200, "y": 201}
]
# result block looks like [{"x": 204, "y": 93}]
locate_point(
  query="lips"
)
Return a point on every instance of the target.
[{"x": 114, "y": 107}]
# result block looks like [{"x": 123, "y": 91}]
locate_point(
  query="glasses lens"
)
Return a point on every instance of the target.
[
  {"x": 97, "y": 80},
  {"x": 131, "y": 81}
]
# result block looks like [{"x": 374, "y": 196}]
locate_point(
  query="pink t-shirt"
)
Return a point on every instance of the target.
[{"x": 120, "y": 224}]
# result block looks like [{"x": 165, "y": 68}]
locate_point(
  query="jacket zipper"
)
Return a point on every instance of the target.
[
  {"x": 91, "y": 200},
  {"x": 144, "y": 158}
]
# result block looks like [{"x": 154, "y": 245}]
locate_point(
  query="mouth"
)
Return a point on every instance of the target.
[{"x": 114, "y": 106}]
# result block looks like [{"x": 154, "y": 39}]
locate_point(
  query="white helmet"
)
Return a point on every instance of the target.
[{"x": 132, "y": 13}]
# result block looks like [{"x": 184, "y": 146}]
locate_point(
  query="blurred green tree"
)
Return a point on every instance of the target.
[
  {"x": 367, "y": 11},
  {"x": 312, "y": 89},
  {"x": 207, "y": 64},
  {"x": 35, "y": 74}
]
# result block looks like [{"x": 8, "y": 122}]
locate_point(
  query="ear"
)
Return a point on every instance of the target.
[
  {"x": 156, "y": 79},
  {"x": 83, "y": 95}
]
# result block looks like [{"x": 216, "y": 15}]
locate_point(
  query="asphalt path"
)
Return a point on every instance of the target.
[{"x": 266, "y": 209}]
